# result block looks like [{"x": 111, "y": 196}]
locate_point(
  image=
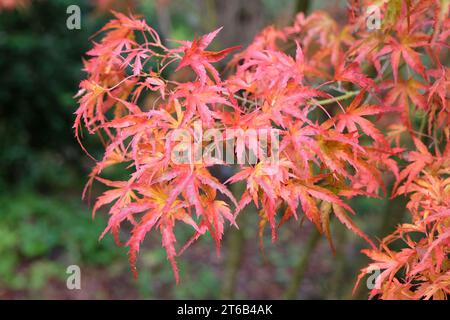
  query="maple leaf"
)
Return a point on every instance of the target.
[
  {"x": 199, "y": 59},
  {"x": 402, "y": 92},
  {"x": 214, "y": 212},
  {"x": 418, "y": 161},
  {"x": 352, "y": 73},
  {"x": 404, "y": 48},
  {"x": 123, "y": 192},
  {"x": 390, "y": 263},
  {"x": 353, "y": 116},
  {"x": 265, "y": 177},
  {"x": 160, "y": 210},
  {"x": 200, "y": 100}
]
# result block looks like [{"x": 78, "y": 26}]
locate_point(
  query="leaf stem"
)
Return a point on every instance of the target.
[{"x": 345, "y": 96}]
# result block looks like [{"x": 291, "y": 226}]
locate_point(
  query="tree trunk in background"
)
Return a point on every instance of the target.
[
  {"x": 394, "y": 214},
  {"x": 243, "y": 19},
  {"x": 334, "y": 290},
  {"x": 302, "y": 265},
  {"x": 163, "y": 18},
  {"x": 235, "y": 254},
  {"x": 235, "y": 247}
]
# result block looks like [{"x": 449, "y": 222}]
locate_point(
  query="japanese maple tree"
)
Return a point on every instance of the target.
[{"x": 344, "y": 101}]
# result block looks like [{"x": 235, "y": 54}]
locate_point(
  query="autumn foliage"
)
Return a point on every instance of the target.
[{"x": 354, "y": 107}]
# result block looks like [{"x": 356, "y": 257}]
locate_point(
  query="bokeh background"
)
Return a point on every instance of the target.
[{"x": 44, "y": 224}]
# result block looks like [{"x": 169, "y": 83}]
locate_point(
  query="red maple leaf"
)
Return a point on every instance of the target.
[{"x": 199, "y": 59}]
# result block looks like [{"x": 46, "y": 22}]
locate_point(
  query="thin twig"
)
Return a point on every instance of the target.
[{"x": 345, "y": 96}]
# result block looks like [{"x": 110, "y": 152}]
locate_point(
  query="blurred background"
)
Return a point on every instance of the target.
[{"x": 44, "y": 224}]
